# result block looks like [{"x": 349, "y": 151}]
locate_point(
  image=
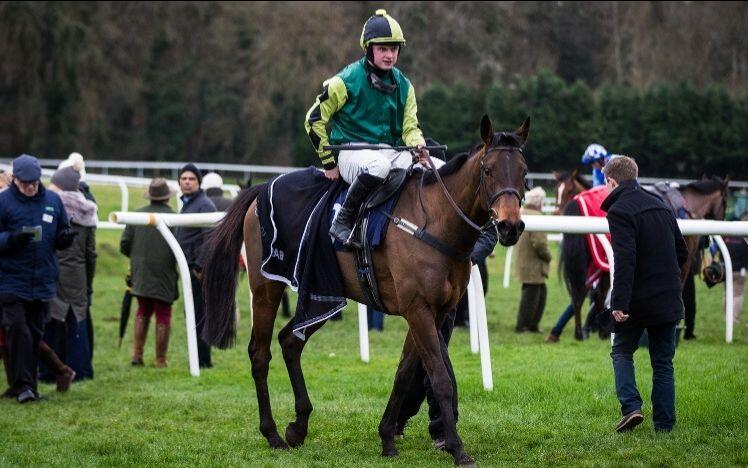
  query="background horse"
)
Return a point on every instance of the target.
[
  {"x": 415, "y": 280},
  {"x": 705, "y": 199}
]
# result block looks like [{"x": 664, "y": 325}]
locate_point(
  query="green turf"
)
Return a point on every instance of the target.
[{"x": 551, "y": 404}]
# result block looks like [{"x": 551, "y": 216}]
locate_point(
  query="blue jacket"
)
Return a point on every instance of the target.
[{"x": 31, "y": 272}]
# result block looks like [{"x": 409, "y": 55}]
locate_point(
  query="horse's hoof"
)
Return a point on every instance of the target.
[
  {"x": 293, "y": 437},
  {"x": 277, "y": 443},
  {"x": 465, "y": 460},
  {"x": 389, "y": 449}
]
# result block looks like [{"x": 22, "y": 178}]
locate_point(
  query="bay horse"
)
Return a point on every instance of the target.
[
  {"x": 415, "y": 280},
  {"x": 705, "y": 199}
]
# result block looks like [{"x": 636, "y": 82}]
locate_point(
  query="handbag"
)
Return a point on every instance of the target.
[{"x": 714, "y": 273}]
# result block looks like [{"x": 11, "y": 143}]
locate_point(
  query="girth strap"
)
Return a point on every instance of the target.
[{"x": 422, "y": 235}]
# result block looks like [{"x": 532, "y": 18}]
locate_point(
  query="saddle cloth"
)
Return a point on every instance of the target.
[
  {"x": 589, "y": 203},
  {"x": 295, "y": 213}
]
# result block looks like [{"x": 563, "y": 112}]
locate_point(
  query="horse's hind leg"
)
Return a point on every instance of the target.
[
  {"x": 292, "y": 348},
  {"x": 406, "y": 372},
  {"x": 265, "y": 300}
]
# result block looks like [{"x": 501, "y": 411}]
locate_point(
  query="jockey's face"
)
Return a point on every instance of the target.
[{"x": 385, "y": 55}]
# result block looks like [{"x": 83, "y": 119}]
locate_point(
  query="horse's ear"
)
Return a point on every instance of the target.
[
  {"x": 557, "y": 176},
  {"x": 575, "y": 174},
  {"x": 486, "y": 130},
  {"x": 726, "y": 180},
  {"x": 524, "y": 130}
]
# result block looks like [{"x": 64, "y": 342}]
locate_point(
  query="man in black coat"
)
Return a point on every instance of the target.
[
  {"x": 648, "y": 251},
  {"x": 192, "y": 241}
]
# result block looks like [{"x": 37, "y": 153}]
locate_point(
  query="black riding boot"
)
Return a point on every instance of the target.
[{"x": 360, "y": 189}]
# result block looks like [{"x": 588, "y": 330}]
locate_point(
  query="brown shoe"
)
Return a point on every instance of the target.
[
  {"x": 630, "y": 421},
  {"x": 552, "y": 338}
]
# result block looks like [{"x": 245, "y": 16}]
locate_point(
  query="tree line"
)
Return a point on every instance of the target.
[{"x": 231, "y": 82}]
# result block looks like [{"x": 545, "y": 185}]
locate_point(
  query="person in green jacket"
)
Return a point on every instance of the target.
[
  {"x": 154, "y": 275},
  {"x": 368, "y": 102}
]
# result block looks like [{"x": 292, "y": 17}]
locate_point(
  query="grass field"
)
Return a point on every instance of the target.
[{"x": 551, "y": 405}]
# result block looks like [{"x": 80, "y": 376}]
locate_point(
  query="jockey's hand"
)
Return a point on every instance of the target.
[
  {"x": 333, "y": 174},
  {"x": 422, "y": 153},
  {"x": 619, "y": 316}
]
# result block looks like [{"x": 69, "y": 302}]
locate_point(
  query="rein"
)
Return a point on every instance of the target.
[{"x": 489, "y": 199}]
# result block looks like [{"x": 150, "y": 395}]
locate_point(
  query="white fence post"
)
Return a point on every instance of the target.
[
  {"x": 482, "y": 325},
  {"x": 363, "y": 332},
  {"x": 508, "y": 266},
  {"x": 189, "y": 305},
  {"x": 124, "y": 195},
  {"x": 472, "y": 320},
  {"x": 728, "y": 288}
]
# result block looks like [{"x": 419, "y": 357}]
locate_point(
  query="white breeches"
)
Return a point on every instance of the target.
[{"x": 375, "y": 162}]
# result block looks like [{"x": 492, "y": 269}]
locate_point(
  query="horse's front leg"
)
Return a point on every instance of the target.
[
  {"x": 404, "y": 377},
  {"x": 426, "y": 340}
]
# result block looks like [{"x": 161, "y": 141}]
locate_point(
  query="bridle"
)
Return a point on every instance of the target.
[{"x": 489, "y": 200}]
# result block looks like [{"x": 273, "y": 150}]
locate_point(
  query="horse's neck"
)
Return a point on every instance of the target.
[
  {"x": 463, "y": 187},
  {"x": 699, "y": 205}
]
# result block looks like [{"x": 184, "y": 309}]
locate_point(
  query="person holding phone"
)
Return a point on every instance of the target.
[{"x": 33, "y": 225}]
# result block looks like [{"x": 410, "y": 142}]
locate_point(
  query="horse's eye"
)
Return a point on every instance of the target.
[{"x": 487, "y": 171}]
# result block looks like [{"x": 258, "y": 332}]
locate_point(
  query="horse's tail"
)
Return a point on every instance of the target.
[
  {"x": 574, "y": 258},
  {"x": 222, "y": 248}
]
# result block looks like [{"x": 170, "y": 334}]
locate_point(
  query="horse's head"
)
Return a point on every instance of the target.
[
  {"x": 502, "y": 184},
  {"x": 568, "y": 184}
]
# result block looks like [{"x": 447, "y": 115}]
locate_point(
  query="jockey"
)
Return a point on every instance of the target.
[
  {"x": 368, "y": 102},
  {"x": 596, "y": 155}
]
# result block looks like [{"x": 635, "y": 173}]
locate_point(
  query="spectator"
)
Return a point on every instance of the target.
[
  {"x": 67, "y": 332},
  {"x": 192, "y": 239},
  {"x": 33, "y": 224},
  {"x": 213, "y": 186},
  {"x": 689, "y": 290},
  {"x": 533, "y": 265},
  {"x": 5, "y": 180},
  {"x": 76, "y": 160},
  {"x": 154, "y": 275},
  {"x": 649, "y": 251}
]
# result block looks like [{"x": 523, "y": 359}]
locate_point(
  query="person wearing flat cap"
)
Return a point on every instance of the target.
[
  {"x": 154, "y": 275},
  {"x": 33, "y": 225},
  {"x": 192, "y": 240}
]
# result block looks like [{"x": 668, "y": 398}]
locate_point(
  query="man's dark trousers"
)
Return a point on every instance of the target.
[
  {"x": 421, "y": 388},
  {"x": 203, "y": 348},
  {"x": 24, "y": 325},
  {"x": 661, "y": 352}
]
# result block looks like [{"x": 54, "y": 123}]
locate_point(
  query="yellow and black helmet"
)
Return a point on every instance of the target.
[{"x": 381, "y": 29}]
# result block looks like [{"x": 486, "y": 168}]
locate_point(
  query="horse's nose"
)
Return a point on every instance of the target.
[{"x": 509, "y": 232}]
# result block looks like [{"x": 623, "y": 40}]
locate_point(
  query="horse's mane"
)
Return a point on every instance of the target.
[
  {"x": 705, "y": 187},
  {"x": 563, "y": 175},
  {"x": 457, "y": 161}
]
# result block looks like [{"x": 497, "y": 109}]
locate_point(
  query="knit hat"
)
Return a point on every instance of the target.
[
  {"x": 212, "y": 180},
  {"x": 66, "y": 179},
  {"x": 159, "y": 190},
  {"x": 535, "y": 197},
  {"x": 26, "y": 168},
  {"x": 192, "y": 168},
  {"x": 76, "y": 161}
]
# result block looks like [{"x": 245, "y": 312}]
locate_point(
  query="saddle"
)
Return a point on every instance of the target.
[
  {"x": 364, "y": 265},
  {"x": 672, "y": 198}
]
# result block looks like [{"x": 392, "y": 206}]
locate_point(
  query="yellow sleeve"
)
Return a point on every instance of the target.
[
  {"x": 333, "y": 97},
  {"x": 412, "y": 135}
]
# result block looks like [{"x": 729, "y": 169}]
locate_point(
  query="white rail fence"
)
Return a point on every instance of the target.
[{"x": 479, "y": 334}]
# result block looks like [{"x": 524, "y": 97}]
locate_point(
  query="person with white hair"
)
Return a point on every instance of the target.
[
  {"x": 533, "y": 265},
  {"x": 213, "y": 186}
]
